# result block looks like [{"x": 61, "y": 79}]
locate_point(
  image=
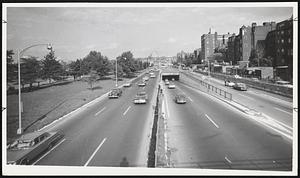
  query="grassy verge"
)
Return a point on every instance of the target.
[{"x": 43, "y": 106}]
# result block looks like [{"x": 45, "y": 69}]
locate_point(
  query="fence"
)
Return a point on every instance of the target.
[
  {"x": 269, "y": 87},
  {"x": 212, "y": 88}
]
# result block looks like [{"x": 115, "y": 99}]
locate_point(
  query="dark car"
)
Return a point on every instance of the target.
[
  {"x": 30, "y": 146},
  {"x": 240, "y": 86},
  {"x": 180, "y": 99},
  {"x": 115, "y": 93}
]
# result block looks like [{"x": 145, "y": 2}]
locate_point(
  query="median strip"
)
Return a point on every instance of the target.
[{"x": 283, "y": 111}]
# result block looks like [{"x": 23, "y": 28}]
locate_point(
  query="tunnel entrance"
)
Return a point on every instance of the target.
[{"x": 170, "y": 76}]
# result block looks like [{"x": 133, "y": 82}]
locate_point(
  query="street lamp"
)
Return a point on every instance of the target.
[
  {"x": 20, "y": 53},
  {"x": 117, "y": 71}
]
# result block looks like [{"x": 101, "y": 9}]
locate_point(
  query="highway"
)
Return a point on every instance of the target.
[
  {"x": 112, "y": 132},
  {"x": 207, "y": 133},
  {"x": 272, "y": 105}
]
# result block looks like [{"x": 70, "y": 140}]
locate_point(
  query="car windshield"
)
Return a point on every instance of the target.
[{"x": 21, "y": 144}]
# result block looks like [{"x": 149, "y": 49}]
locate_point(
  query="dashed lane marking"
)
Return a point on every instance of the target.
[
  {"x": 211, "y": 121},
  {"x": 228, "y": 160},
  {"x": 94, "y": 152},
  {"x": 126, "y": 110},
  {"x": 49, "y": 151},
  {"x": 100, "y": 111}
]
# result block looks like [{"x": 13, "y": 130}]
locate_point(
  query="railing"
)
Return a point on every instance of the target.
[{"x": 212, "y": 88}]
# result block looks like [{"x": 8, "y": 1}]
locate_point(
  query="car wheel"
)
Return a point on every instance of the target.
[{"x": 25, "y": 161}]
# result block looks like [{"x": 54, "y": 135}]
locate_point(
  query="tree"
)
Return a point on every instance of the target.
[
  {"x": 92, "y": 78},
  {"x": 75, "y": 68},
  {"x": 253, "y": 59},
  {"x": 30, "y": 70},
  {"x": 51, "y": 68},
  {"x": 12, "y": 68}
]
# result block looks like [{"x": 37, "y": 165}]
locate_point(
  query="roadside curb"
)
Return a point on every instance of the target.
[{"x": 85, "y": 105}]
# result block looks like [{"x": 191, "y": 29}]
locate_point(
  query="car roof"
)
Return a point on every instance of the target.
[{"x": 31, "y": 136}]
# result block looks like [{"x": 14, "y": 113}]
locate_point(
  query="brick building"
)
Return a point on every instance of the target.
[{"x": 208, "y": 44}]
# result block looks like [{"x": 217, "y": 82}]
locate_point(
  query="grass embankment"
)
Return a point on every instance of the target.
[{"x": 43, "y": 106}]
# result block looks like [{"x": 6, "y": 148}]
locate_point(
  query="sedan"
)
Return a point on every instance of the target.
[
  {"x": 115, "y": 93},
  {"x": 180, "y": 99},
  {"x": 229, "y": 83},
  {"x": 140, "y": 98},
  {"x": 127, "y": 84},
  {"x": 141, "y": 84},
  {"x": 240, "y": 86},
  {"x": 171, "y": 86},
  {"x": 30, "y": 146}
]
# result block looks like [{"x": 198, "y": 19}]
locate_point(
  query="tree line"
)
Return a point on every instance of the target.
[{"x": 49, "y": 68}]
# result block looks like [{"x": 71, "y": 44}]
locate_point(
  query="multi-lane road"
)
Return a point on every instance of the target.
[
  {"x": 207, "y": 133},
  {"x": 203, "y": 133},
  {"x": 111, "y": 132}
]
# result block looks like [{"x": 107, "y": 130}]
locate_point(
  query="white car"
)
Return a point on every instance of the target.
[
  {"x": 127, "y": 84},
  {"x": 167, "y": 82},
  {"x": 237, "y": 76},
  {"x": 171, "y": 86},
  {"x": 146, "y": 78},
  {"x": 229, "y": 83}
]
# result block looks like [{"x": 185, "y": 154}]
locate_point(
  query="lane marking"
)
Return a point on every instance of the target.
[
  {"x": 94, "y": 152},
  {"x": 190, "y": 99},
  {"x": 211, "y": 121},
  {"x": 247, "y": 97},
  {"x": 283, "y": 111},
  {"x": 49, "y": 151},
  {"x": 227, "y": 160},
  {"x": 126, "y": 110},
  {"x": 100, "y": 111}
]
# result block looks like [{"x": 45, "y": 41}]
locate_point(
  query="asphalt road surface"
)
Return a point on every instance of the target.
[
  {"x": 112, "y": 132},
  {"x": 207, "y": 133}
]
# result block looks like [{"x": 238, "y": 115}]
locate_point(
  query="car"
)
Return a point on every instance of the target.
[
  {"x": 237, "y": 76},
  {"x": 255, "y": 79},
  {"x": 167, "y": 82},
  {"x": 140, "y": 98},
  {"x": 229, "y": 83},
  {"x": 30, "y": 146},
  {"x": 152, "y": 75},
  {"x": 127, "y": 85},
  {"x": 145, "y": 78},
  {"x": 173, "y": 79},
  {"x": 180, "y": 99},
  {"x": 284, "y": 83},
  {"x": 115, "y": 93},
  {"x": 171, "y": 86},
  {"x": 142, "y": 84},
  {"x": 240, "y": 86}
]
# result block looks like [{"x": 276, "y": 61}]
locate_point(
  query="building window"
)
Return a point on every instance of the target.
[
  {"x": 282, "y": 32},
  {"x": 289, "y": 40},
  {"x": 282, "y": 50},
  {"x": 282, "y": 40},
  {"x": 278, "y": 41}
]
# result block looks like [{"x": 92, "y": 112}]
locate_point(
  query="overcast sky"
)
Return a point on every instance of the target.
[{"x": 74, "y": 31}]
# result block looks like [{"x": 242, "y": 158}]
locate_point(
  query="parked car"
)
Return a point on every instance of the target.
[
  {"x": 115, "y": 93},
  {"x": 171, "y": 86},
  {"x": 127, "y": 85},
  {"x": 229, "y": 83},
  {"x": 240, "y": 86},
  {"x": 140, "y": 98},
  {"x": 142, "y": 84},
  {"x": 284, "y": 83},
  {"x": 29, "y": 147},
  {"x": 180, "y": 99}
]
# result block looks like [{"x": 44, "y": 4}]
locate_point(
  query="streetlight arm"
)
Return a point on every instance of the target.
[{"x": 23, "y": 50}]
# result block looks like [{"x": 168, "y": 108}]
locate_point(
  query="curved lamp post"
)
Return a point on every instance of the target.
[{"x": 20, "y": 53}]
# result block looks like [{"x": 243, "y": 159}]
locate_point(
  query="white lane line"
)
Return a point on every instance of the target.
[
  {"x": 283, "y": 111},
  {"x": 94, "y": 152},
  {"x": 211, "y": 121},
  {"x": 227, "y": 160},
  {"x": 190, "y": 99},
  {"x": 126, "y": 110},
  {"x": 49, "y": 151},
  {"x": 247, "y": 97},
  {"x": 100, "y": 111}
]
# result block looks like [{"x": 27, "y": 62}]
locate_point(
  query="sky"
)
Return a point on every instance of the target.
[{"x": 160, "y": 31}]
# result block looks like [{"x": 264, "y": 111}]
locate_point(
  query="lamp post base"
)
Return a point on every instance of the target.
[{"x": 19, "y": 131}]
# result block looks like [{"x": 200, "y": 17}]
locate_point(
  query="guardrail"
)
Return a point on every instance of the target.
[
  {"x": 212, "y": 88},
  {"x": 269, "y": 87}
]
